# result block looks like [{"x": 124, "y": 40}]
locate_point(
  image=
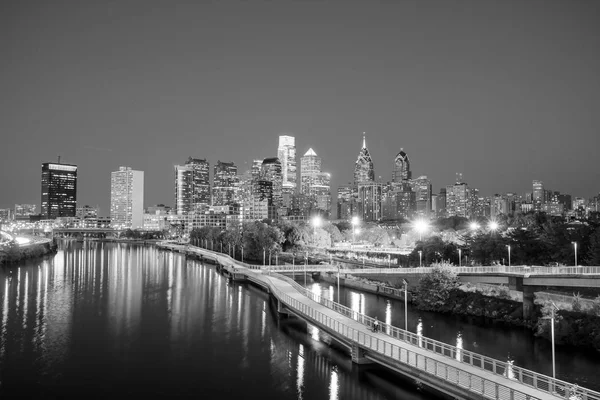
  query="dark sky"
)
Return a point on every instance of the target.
[{"x": 504, "y": 92}]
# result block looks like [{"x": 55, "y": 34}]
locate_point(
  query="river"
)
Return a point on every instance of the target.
[{"x": 110, "y": 320}]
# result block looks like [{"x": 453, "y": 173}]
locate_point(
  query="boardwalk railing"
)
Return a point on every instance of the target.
[
  {"x": 522, "y": 270},
  {"x": 558, "y": 388}
]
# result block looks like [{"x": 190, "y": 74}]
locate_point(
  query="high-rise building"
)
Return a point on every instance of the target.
[
  {"x": 363, "y": 169},
  {"x": 127, "y": 198},
  {"x": 271, "y": 172},
  {"x": 192, "y": 186},
  {"x": 286, "y": 152},
  {"x": 24, "y": 211},
  {"x": 315, "y": 184},
  {"x": 369, "y": 201},
  {"x": 225, "y": 183},
  {"x": 538, "y": 195},
  {"x": 86, "y": 212},
  {"x": 310, "y": 166},
  {"x": 401, "y": 170},
  {"x": 59, "y": 190},
  {"x": 5, "y": 215},
  {"x": 422, "y": 189},
  {"x": 457, "y": 200},
  {"x": 344, "y": 202}
]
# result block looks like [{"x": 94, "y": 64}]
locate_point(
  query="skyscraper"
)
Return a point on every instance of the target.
[
  {"x": 422, "y": 189},
  {"x": 315, "y": 184},
  {"x": 127, "y": 198},
  {"x": 401, "y": 170},
  {"x": 59, "y": 190},
  {"x": 225, "y": 183},
  {"x": 344, "y": 202},
  {"x": 363, "y": 169},
  {"x": 192, "y": 186},
  {"x": 271, "y": 171},
  {"x": 286, "y": 152},
  {"x": 538, "y": 195}
]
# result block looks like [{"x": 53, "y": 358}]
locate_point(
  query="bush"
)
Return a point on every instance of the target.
[
  {"x": 435, "y": 287},
  {"x": 576, "y": 302}
]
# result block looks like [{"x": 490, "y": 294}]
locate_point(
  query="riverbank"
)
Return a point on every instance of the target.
[{"x": 16, "y": 254}]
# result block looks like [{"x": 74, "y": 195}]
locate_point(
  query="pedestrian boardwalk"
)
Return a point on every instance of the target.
[{"x": 453, "y": 370}]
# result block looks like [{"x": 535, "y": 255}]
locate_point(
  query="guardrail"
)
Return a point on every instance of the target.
[
  {"x": 558, "y": 388},
  {"x": 521, "y": 270}
]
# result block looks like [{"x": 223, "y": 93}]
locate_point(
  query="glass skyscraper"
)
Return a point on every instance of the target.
[
  {"x": 192, "y": 186},
  {"x": 59, "y": 190}
]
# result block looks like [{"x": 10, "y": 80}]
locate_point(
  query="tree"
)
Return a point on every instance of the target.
[
  {"x": 259, "y": 237},
  {"x": 434, "y": 288},
  {"x": 334, "y": 233},
  {"x": 593, "y": 254}
]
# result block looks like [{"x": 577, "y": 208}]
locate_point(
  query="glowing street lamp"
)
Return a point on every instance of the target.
[
  {"x": 508, "y": 247},
  {"x": 474, "y": 226},
  {"x": 316, "y": 222},
  {"x": 421, "y": 226},
  {"x": 575, "y": 245},
  {"x": 493, "y": 226},
  {"x": 460, "y": 257},
  {"x": 420, "y": 258}
]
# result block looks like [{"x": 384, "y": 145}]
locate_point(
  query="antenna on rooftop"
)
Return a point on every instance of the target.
[{"x": 59, "y": 158}]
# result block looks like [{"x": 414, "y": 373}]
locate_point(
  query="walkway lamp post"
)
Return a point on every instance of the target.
[
  {"x": 508, "y": 247},
  {"x": 242, "y": 253},
  {"x": 420, "y": 258},
  {"x": 221, "y": 247},
  {"x": 331, "y": 259},
  {"x": 389, "y": 261},
  {"x": 363, "y": 261},
  {"x": 276, "y": 258},
  {"x": 405, "y": 283},
  {"x": 460, "y": 257},
  {"x": 493, "y": 226},
  {"x": 264, "y": 257},
  {"x": 269, "y": 257},
  {"x": 229, "y": 249},
  {"x": 234, "y": 251},
  {"x": 354, "y": 222},
  {"x": 575, "y": 245},
  {"x": 316, "y": 222},
  {"x": 293, "y": 265}
]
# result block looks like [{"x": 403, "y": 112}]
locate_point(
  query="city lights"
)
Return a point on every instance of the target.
[{"x": 421, "y": 226}]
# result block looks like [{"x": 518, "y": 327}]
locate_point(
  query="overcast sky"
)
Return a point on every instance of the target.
[{"x": 504, "y": 92}]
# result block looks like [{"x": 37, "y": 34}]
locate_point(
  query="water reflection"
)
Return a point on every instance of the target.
[
  {"x": 334, "y": 385},
  {"x": 420, "y": 332},
  {"x": 459, "y": 346}
]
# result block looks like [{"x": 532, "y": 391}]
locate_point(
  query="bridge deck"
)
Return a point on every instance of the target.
[{"x": 395, "y": 353}]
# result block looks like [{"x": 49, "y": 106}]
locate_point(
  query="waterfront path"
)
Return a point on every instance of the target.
[{"x": 455, "y": 371}]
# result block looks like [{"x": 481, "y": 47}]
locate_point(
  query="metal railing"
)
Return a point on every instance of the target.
[
  {"x": 558, "y": 388},
  {"x": 520, "y": 270}
]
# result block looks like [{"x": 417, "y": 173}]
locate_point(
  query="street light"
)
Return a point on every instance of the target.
[
  {"x": 316, "y": 222},
  {"x": 338, "y": 291},
  {"x": 421, "y": 226},
  {"x": 269, "y": 257},
  {"x": 305, "y": 264},
  {"x": 474, "y": 226},
  {"x": 242, "y": 253},
  {"x": 493, "y": 226},
  {"x": 508, "y": 247},
  {"x": 575, "y": 245},
  {"x": 264, "y": 257},
  {"x": 420, "y": 258},
  {"x": 460, "y": 257}
]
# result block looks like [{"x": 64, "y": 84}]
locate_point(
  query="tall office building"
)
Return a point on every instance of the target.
[
  {"x": 422, "y": 189},
  {"x": 192, "y": 186},
  {"x": 457, "y": 200},
  {"x": 310, "y": 166},
  {"x": 271, "y": 171},
  {"x": 344, "y": 202},
  {"x": 363, "y": 169},
  {"x": 315, "y": 184},
  {"x": 225, "y": 183},
  {"x": 286, "y": 152},
  {"x": 538, "y": 195},
  {"x": 59, "y": 190},
  {"x": 401, "y": 170},
  {"x": 127, "y": 198},
  {"x": 369, "y": 201},
  {"x": 24, "y": 211}
]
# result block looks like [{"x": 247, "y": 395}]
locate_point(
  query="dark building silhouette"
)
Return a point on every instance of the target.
[{"x": 59, "y": 190}]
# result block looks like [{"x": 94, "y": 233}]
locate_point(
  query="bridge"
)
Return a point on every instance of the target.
[{"x": 457, "y": 372}]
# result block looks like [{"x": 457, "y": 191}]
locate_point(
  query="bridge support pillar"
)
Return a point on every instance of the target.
[
  {"x": 528, "y": 297},
  {"x": 281, "y": 310},
  {"x": 515, "y": 283},
  {"x": 358, "y": 355}
]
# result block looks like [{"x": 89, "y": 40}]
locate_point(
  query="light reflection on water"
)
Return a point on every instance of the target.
[{"x": 100, "y": 316}]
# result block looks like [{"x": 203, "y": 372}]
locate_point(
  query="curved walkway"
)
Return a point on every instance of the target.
[{"x": 401, "y": 350}]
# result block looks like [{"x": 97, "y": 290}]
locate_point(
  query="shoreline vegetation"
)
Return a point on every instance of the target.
[{"x": 14, "y": 254}]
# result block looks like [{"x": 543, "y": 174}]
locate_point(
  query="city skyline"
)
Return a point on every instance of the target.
[{"x": 498, "y": 92}]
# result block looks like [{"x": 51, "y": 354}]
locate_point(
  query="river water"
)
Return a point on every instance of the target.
[{"x": 107, "y": 320}]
